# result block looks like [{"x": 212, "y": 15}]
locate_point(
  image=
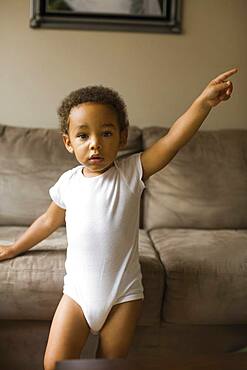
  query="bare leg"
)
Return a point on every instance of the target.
[
  {"x": 68, "y": 334},
  {"x": 118, "y": 331}
]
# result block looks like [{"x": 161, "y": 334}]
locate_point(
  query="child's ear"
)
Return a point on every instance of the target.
[
  {"x": 123, "y": 138},
  {"x": 67, "y": 143}
]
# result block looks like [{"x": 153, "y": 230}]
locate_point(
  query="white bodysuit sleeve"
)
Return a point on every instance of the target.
[
  {"x": 58, "y": 191},
  {"x": 131, "y": 169}
]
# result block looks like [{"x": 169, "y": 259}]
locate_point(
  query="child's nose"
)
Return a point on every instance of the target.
[{"x": 95, "y": 144}]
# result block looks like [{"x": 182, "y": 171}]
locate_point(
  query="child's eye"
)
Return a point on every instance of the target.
[
  {"x": 85, "y": 136},
  {"x": 107, "y": 133},
  {"x": 82, "y": 136}
]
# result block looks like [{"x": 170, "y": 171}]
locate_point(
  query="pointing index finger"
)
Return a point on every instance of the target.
[{"x": 222, "y": 77}]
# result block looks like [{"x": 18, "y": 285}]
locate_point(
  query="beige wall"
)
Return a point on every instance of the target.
[{"x": 157, "y": 74}]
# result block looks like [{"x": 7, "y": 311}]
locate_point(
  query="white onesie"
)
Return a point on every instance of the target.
[{"x": 102, "y": 222}]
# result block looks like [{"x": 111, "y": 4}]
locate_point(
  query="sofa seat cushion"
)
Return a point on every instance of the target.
[
  {"x": 206, "y": 275},
  {"x": 153, "y": 279},
  {"x": 32, "y": 283},
  {"x": 203, "y": 187}
]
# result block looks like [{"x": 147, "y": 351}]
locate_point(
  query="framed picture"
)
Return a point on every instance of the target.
[{"x": 163, "y": 16}]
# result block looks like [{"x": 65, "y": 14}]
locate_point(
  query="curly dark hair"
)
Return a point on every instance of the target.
[{"x": 92, "y": 94}]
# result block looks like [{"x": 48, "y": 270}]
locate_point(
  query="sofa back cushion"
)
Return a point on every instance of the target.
[
  {"x": 204, "y": 186},
  {"x": 31, "y": 161}
]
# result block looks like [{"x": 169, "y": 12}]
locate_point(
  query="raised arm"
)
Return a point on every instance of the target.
[
  {"x": 158, "y": 155},
  {"x": 45, "y": 225}
]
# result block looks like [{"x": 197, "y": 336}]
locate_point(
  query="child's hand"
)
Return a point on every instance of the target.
[
  {"x": 218, "y": 89},
  {"x": 6, "y": 252}
]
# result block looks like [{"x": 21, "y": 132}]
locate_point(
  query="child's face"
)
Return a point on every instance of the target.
[{"x": 93, "y": 129}]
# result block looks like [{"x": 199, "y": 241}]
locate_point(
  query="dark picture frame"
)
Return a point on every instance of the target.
[{"x": 158, "y": 16}]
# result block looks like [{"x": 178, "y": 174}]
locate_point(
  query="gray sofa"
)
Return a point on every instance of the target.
[{"x": 192, "y": 244}]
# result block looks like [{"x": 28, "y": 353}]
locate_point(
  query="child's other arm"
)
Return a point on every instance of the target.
[
  {"x": 158, "y": 155},
  {"x": 45, "y": 225}
]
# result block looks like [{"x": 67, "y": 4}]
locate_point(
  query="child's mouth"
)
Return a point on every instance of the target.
[{"x": 96, "y": 159}]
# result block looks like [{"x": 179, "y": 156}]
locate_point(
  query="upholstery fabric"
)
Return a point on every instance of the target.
[
  {"x": 206, "y": 275},
  {"x": 170, "y": 339},
  {"x": 153, "y": 276},
  {"x": 31, "y": 283},
  {"x": 203, "y": 187}
]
